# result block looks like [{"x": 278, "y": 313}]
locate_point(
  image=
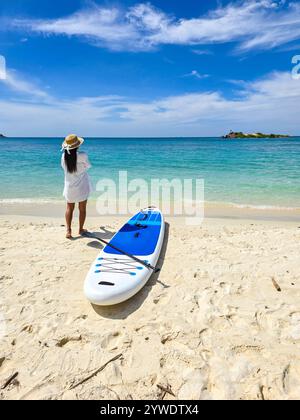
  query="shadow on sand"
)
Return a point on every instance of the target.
[
  {"x": 105, "y": 234},
  {"x": 124, "y": 309}
]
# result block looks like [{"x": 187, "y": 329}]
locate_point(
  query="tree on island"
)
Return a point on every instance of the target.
[{"x": 241, "y": 135}]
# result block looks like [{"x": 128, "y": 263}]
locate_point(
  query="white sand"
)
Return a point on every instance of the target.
[{"x": 211, "y": 325}]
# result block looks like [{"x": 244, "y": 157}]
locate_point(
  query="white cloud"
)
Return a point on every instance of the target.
[
  {"x": 262, "y": 24},
  {"x": 195, "y": 74},
  {"x": 19, "y": 84},
  {"x": 269, "y": 104},
  {"x": 2, "y": 68},
  {"x": 100, "y": 26},
  {"x": 197, "y": 51}
]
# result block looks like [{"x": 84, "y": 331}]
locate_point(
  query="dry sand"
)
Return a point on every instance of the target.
[{"x": 211, "y": 325}]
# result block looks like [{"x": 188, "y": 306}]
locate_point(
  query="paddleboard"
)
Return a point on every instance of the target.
[{"x": 115, "y": 277}]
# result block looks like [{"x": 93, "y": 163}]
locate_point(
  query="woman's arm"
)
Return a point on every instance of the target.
[
  {"x": 87, "y": 164},
  {"x": 62, "y": 161}
]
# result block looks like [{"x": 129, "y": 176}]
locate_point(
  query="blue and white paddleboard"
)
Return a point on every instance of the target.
[{"x": 115, "y": 277}]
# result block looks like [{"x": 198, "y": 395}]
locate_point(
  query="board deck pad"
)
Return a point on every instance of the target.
[
  {"x": 147, "y": 229},
  {"x": 115, "y": 277}
]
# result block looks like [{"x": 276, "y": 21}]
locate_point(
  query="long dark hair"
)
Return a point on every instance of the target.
[{"x": 71, "y": 160}]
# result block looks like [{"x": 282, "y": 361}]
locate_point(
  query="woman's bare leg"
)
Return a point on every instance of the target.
[
  {"x": 82, "y": 216},
  {"x": 69, "y": 217}
]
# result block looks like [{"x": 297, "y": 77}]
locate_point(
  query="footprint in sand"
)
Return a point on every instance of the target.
[
  {"x": 111, "y": 341},
  {"x": 65, "y": 340},
  {"x": 162, "y": 298},
  {"x": 291, "y": 327},
  {"x": 2, "y": 360}
]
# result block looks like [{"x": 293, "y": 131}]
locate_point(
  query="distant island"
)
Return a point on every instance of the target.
[
  {"x": 2, "y": 136},
  {"x": 241, "y": 135}
]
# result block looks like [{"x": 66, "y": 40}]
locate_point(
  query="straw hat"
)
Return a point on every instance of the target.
[{"x": 72, "y": 142}]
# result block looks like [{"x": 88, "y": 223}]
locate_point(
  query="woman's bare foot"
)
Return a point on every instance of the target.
[
  {"x": 69, "y": 234},
  {"x": 83, "y": 231}
]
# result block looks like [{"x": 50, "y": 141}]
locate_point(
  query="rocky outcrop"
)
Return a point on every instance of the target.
[{"x": 241, "y": 135}]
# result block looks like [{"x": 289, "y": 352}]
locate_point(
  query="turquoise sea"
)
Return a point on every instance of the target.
[{"x": 255, "y": 172}]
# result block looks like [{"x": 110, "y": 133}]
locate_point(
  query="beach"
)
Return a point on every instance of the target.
[{"x": 221, "y": 320}]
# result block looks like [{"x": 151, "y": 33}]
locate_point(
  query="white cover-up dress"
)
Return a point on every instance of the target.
[{"x": 77, "y": 184}]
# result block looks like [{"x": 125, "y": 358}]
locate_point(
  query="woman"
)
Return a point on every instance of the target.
[{"x": 77, "y": 182}]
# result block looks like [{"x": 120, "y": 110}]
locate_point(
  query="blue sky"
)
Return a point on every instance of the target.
[{"x": 159, "y": 68}]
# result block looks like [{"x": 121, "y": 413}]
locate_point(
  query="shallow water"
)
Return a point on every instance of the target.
[{"x": 255, "y": 172}]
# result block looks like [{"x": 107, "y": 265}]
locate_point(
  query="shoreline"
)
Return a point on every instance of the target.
[{"x": 211, "y": 211}]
